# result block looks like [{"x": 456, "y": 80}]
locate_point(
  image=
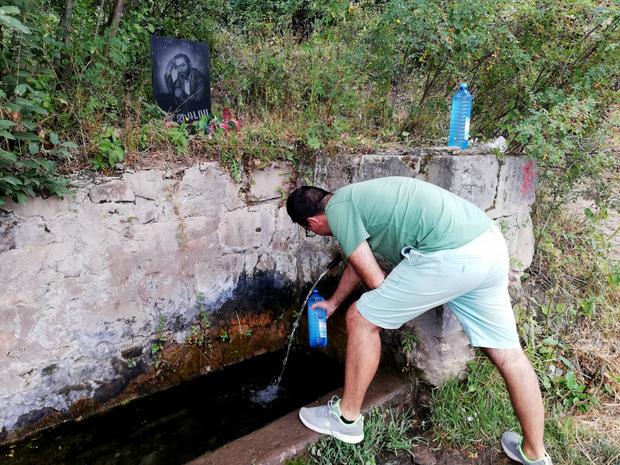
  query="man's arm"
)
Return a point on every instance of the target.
[
  {"x": 362, "y": 267},
  {"x": 348, "y": 282},
  {"x": 366, "y": 266},
  {"x": 170, "y": 76}
]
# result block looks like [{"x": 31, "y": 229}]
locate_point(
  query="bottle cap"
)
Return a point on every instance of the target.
[{"x": 463, "y": 85}]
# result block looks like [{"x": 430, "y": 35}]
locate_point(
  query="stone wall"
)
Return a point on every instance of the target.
[{"x": 90, "y": 281}]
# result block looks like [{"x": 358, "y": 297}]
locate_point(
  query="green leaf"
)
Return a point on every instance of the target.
[
  {"x": 6, "y": 124},
  {"x": 6, "y": 134},
  {"x": 21, "y": 89},
  {"x": 47, "y": 164},
  {"x": 21, "y": 135},
  {"x": 33, "y": 148},
  {"x": 571, "y": 383},
  {"x": 28, "y": 163},
  {"x": 29, "y": 125},
  {"x": 15, "y": 24},
  {"x": 21, "y": 198},
  {"x": 12, "y": 106},
  {"x": 8, "y": 155},
  {"x": 29, "y": 109},
  {"x": 11, "y": 180},
  {"x": 314, "y": 143},
  {"x": 567, "y": 362},
  {"x": 28, "y": 190},
  {"x": 54, "y": 138},
  {"x": 9, "y": 10}
]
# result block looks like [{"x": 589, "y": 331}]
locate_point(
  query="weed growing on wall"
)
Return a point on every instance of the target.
[
  {"x": 157, "y": 347},
  {"x": 200, "y": 336}
]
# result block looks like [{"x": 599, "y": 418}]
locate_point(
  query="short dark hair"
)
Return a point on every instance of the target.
[
  {"x": 188, "y": 62},
  {"x": 306, "y": 202}
]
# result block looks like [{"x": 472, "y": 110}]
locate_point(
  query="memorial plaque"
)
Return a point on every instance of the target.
[{"x": 181, "y": 78}]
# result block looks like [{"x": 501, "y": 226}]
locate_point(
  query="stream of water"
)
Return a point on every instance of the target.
[{"x": 270, "y": 393}]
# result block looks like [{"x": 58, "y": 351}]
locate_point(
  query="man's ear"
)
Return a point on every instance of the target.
[{"x": 313, "y": 221}]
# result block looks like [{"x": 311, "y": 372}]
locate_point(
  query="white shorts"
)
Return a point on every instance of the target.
[{"x": 472, "y": 280}]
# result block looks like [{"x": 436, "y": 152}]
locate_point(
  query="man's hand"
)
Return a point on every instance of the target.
[
  {"x": 171, "y": 70},
  {"x": 329, "y": 305}
]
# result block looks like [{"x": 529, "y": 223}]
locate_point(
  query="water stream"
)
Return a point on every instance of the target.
[{"x": 270, "y": 393}]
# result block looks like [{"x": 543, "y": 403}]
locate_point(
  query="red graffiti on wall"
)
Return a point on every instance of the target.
[{"x": 528, "y": 177}]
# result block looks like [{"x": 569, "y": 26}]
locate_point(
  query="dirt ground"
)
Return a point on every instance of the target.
[{"x": 427, "y": 455}]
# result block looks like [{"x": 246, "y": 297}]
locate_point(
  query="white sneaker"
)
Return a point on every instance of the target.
[
  {"x": 511, "y": 443},
  {"x": 326, "y": 420}
]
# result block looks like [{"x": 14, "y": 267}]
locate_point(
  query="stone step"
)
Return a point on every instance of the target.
[{"x": 287, "y": 437}]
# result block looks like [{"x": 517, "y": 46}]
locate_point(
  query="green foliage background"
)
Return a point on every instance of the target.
[{"x": 309, "y": 73}]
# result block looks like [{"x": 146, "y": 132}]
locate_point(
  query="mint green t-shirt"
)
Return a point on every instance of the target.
[{"x": 396, "y": 212}]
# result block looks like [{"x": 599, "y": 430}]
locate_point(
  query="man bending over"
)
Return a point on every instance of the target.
[{"x": 446, "y": 251}]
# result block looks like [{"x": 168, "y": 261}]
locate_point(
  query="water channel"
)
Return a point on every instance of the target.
[{"x": 175, "y": 426}]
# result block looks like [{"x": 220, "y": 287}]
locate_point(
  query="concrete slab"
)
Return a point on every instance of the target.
[{"x": 287, "y": 437}]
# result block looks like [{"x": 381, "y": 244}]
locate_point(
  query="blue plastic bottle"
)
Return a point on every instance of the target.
[
  {"x": 317, "y": 321},
  {"x": 461, "y": 113}
]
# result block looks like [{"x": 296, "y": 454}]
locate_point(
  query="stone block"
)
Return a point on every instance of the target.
[
  {"x": 147, "y": 184},
  {"x": 519, "y": 235},
  {"x": 381, "y": 166},
  {"x": 112, "y": 191},
  {"x": 241, "y": 229},
  {"x": 518, "y": 180},
  {"x": 31, "y": 233},
  {"x": 216, "y": 279},
  {"x": 71, "y": 266},
  {"x": 46, "y": 208},
  {"x": 197, "y": 227},
  {"x": 198, "y": 206},
  {"x": 158, "y": 241},
  {"x": 212, "y": 184},
  {"x": 332, "y": 173},
  {"x": 442, "y": 349},
  {"x": 269, "y": 182},
  {"x": 472, "y": 177}
]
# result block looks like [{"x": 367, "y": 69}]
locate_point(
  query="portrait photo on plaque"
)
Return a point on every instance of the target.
[{"x": 181, "y": 79}]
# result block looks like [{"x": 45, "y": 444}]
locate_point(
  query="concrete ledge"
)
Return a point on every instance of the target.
[{"x": 287, "y": 437}]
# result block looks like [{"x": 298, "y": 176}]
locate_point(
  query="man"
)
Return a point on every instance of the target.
[
  {"x": 186, "y": 84},
  {"x": 447, "y": 251}
]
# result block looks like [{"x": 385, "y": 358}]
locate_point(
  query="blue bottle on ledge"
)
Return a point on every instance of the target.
[
  {"x": 317, "y": 321},
  {"x": 459, "y": 122}
]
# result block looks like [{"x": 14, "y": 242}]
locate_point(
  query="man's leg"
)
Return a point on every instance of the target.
[
  {"x": 362, "y": 360},
  {"x": 522, "y": 385},
  {"x": 363, "y": 354}
]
